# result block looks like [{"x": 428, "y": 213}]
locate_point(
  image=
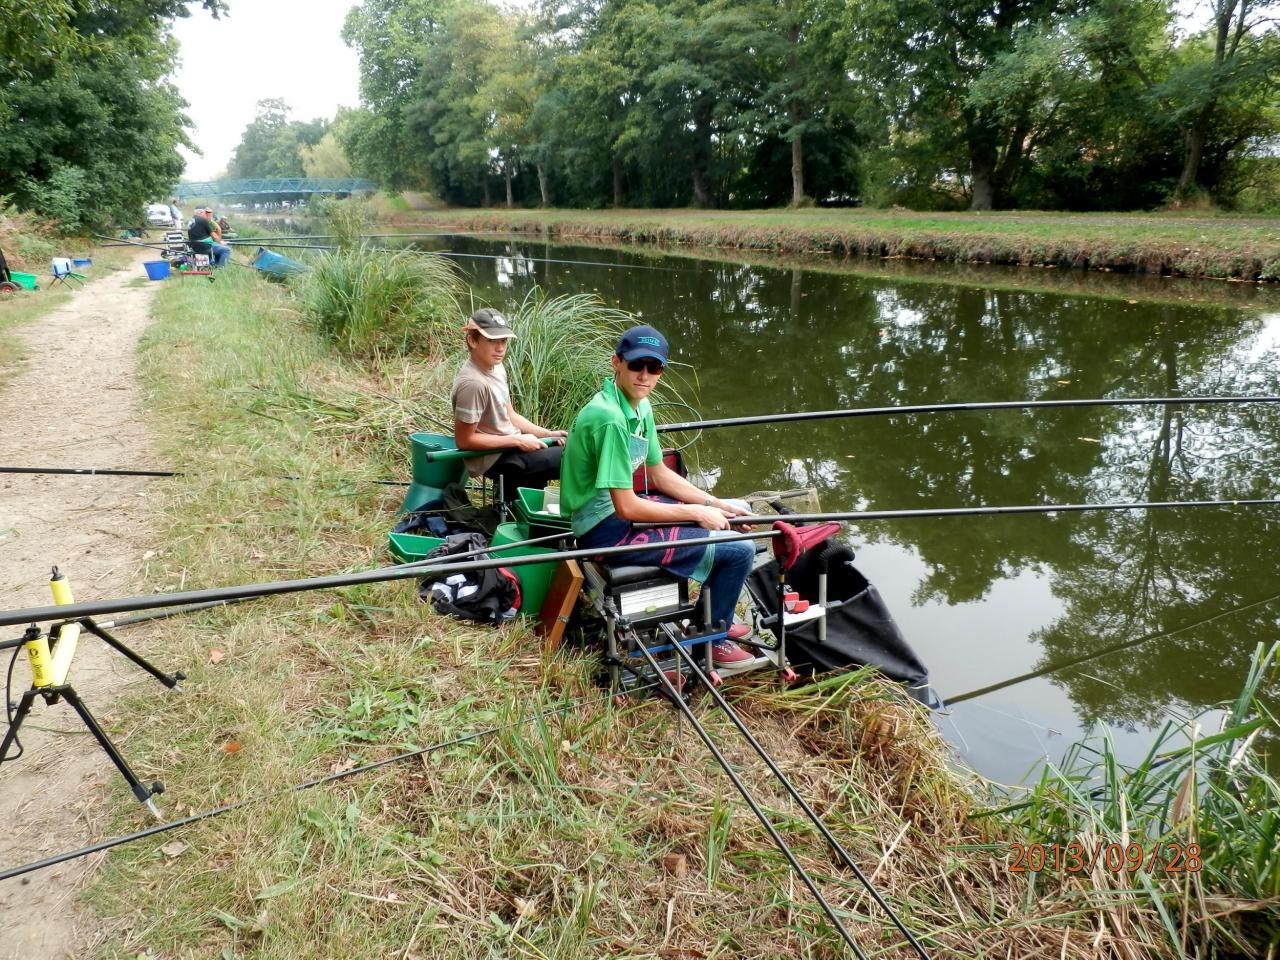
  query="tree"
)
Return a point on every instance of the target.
[
  {"x": 271, "y": 144},
  {"x": 1237, "y": 60},
  {"x": 93, "y": 145},
  {"x": 923, "y": 58}
]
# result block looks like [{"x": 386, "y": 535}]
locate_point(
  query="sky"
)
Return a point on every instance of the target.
[{"x": 291, "y": 49}]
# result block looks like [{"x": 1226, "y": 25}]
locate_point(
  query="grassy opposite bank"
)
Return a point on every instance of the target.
[
  {"x": 1234, "y": 248},
  {"x": 601, "y": 830}
]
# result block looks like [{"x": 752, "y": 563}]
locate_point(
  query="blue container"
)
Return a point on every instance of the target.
[
  {"x": 83, "y": 263},
  {"x": 156, "y": 269}
]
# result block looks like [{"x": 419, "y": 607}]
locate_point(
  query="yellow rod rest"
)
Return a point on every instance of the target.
[{"x": 64, "y": 647}]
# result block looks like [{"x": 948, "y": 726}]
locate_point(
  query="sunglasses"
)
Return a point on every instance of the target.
[{"x": 655, "y": 367}]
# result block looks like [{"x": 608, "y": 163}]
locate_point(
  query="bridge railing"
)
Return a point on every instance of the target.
[{"x": 272, "y": 186}]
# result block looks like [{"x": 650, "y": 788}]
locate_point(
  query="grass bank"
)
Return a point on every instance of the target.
[
  {"x": 597, "y": 830},
  {"x": 1219, "y": 247}
]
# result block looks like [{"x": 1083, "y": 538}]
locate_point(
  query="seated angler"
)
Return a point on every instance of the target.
[
  {"x": 484, "y": 419},
  {"x": 205, "y": 238},
  {"x": 612, "y": 436}
]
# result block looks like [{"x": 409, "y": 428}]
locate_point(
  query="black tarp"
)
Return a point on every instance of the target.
[{"x": 860, "y": 629}]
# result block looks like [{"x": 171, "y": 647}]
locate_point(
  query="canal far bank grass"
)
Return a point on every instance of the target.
[
  {"x": 1220, "y": 246},
  {"x": 579, "y": 827}
]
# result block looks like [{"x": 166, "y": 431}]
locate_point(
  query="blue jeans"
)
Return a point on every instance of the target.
[
  {"x": 728, "y": 574},
  {"x": 219, "y": 254}
]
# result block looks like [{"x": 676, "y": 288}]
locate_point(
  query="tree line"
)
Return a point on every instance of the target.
[
  {"x": 89, "y": 122},
  {"x": 1052, "y": 104}
]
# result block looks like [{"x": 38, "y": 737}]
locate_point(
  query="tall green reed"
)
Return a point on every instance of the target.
[
  {"x": 373, "y": 303},
  {"x": 1213, "y": 791},
  {"x": 561, "y": 355}
]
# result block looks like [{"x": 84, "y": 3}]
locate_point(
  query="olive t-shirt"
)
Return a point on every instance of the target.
[{"x": 481, "y": 397}]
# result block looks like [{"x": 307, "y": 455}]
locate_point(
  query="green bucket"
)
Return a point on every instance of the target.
[
  {"x": 410, "y": 548},
  {"x": 431, "y": 477},
  {"x": 535, "y": 578}
]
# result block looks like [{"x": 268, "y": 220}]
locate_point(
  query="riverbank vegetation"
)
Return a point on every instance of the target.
[
  {"x": 1222, "y": 247},
  {"x": 1098, "y": 105},
  {"x": 580, "y": 827}
]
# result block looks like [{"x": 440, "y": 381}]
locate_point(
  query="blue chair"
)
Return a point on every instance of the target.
[{"x": 64, "y": 272}]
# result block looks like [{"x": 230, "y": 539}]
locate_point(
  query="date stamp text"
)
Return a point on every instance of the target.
[{"x": 1077, "y": 857}]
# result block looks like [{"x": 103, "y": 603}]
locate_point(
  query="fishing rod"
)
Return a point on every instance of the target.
[
  {"x": 954, "y": 408},
  {"x": 1103, "y": 652},
  {"x": 76, "y": 611},
  {"x": 912, "y": 409},
  {"x": 790, "y": 787},
  {"x": 94, "y": 608},
  {"x": 127, "y": 472},
  {"x": 854, "y": 515},
  {"x": 674, "y": 696},
  {"x": 113, "y": 242},
  {"x": 362, "y": 236},
  {"x": 211, "y": 604},
  {"x": 160, "y": 828},
  {"x": 494, "y": 256}
]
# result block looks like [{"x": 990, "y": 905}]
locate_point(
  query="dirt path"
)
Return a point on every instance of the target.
[{"x": 74, "y": 403}]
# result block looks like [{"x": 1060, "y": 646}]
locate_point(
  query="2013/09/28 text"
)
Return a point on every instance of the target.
[{"x": 1078, "y": 857}]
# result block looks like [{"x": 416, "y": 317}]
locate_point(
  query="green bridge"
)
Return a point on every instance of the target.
[{"x": 272, "y": 188}]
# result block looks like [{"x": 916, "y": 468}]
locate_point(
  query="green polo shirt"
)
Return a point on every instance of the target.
[{"x": 606, "y": 444}]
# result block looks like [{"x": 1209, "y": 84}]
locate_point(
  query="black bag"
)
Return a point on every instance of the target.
[
  {"x": 860, "y": 629},
  {"x": 482, "y": 596},
  {"x": 427, "y": 521},
  {"x": 459, "y": 511}
]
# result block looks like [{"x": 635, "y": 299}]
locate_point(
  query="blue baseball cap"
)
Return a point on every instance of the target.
[{"x": 639, "y": 343}]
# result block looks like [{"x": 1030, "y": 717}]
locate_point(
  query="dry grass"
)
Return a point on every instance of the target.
[{"x": 603, "y": 831}]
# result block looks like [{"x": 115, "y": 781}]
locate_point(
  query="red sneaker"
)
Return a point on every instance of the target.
[
  {"x": 729, "y": 658},
  {"x": 739, "y": 631}
]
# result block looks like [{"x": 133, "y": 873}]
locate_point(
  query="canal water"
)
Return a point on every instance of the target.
[{"x": 984, "y": 599}]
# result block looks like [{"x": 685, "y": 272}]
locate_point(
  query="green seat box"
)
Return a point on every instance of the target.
[
  {"x": 535, "y": 578},
  {"x": 430, "y": 477}
]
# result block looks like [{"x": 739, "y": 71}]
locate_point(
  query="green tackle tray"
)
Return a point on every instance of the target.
[
  {"x": 410, "y": 547},
  {"x": 527, "y": 507}
]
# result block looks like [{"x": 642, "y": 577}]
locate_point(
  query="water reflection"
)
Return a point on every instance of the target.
[{"x": 986, "y": 598}]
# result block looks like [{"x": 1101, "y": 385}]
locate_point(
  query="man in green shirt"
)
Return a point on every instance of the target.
[{"x": 611, "y": 438}]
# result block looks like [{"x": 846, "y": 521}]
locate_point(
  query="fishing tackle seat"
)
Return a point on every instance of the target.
[
  {"x": 175, "y": 245},
  {"x": 648, "y": 607}
]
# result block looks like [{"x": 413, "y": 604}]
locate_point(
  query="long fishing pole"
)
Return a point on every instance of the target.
[
  {"x": 494, "y": 256},
  {"x": 790, "y": 787},
  {"x": 77, "y": 611},
  {"x": 127, "y": 472},
  {"x": 1103, "y": 652},
  {"x": 362, "y": 236},
  {"x": 95, "y": 608},
  {"x": 953, "y": 408},
  {"x": 448, "y": 560},
  {"x": 159, "y": 828},
  {"x": 854, "y": 515},
  {"x": 669, "y": 689}
]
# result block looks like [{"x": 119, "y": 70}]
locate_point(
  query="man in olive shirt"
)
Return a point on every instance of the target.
[
  {"x": 610, "y": 439},
  {"x": 484, "y": 419}
]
